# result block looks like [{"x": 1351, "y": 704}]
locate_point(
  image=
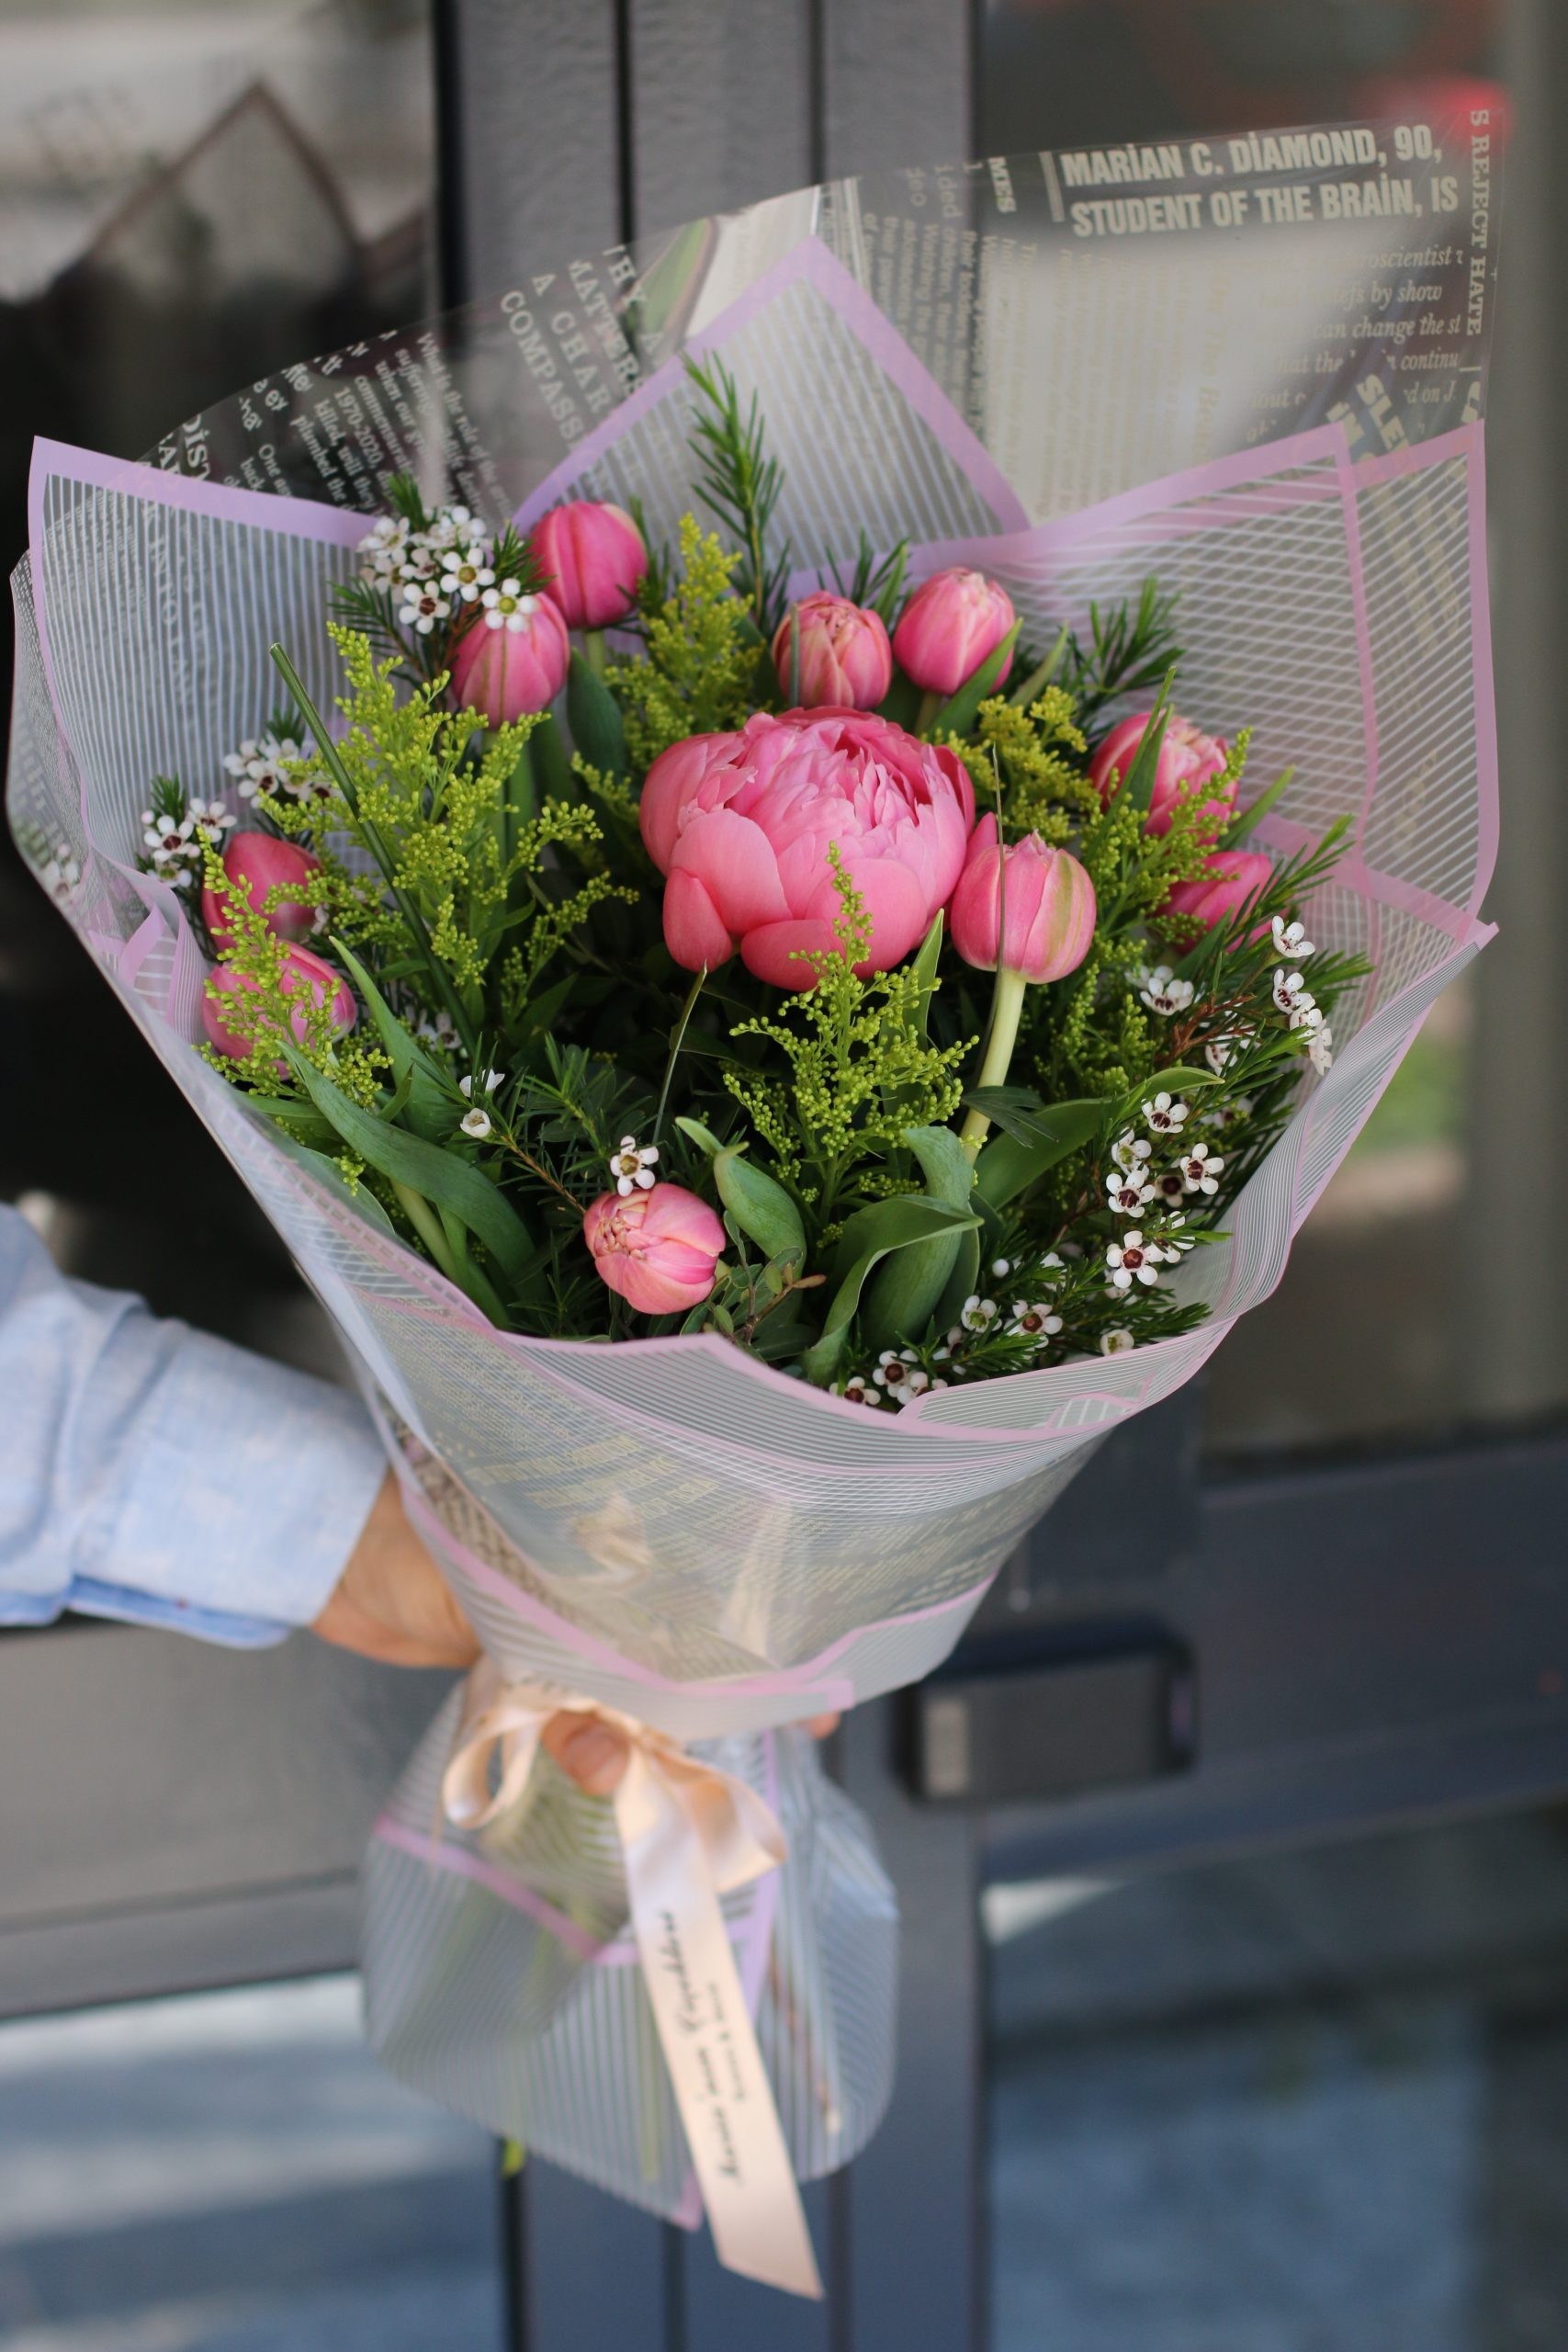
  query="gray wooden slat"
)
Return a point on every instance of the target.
[
  {"x": 531, "y": 135},
  {"x": 720, "y": 106},
  {"x": 898, "y": 83},
  {"x": 186, "y": 1815}
]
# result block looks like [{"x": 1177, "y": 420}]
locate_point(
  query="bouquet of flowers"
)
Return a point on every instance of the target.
[{"x": 771, "y": 1022}]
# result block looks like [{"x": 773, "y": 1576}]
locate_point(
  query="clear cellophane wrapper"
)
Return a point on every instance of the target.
[{"x": 1024, "y": 372}]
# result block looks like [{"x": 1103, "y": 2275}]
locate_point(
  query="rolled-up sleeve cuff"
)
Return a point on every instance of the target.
[{"x": 246, "y": 1487}]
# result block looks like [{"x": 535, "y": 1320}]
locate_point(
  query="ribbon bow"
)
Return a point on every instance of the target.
[{"x": 689, "y": 1833}]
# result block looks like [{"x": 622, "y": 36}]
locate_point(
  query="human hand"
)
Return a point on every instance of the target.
[
  {"x": 391, "y": 1602},
  {"x": 595, "y": 1753}
]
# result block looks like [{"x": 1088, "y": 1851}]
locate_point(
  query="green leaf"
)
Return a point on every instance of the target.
[
  {"x": 867, "y": 1238},
  {"x": 908, "y": 1284},
  {"x": 1011, "y": 1161},
  {"x": 760, "y": 1207},
  {"x": 327, "y": 1172},
  {"x": 901, "y": 703},
  {"x": 1240, "y": 826},
  {"x": 552, "y": 768},
  {"x": 1170, "y": 1082},
  {"x": 958, "y": 714},
  {"x": 924, "y": 968},
  {"x": 1040, "y": 677},
  {"x": 429, "y": 1107},
  {"x": 594, "y": 717},
  {"x": 962, "y": 1283},
  {"x": 441, "y": 1176},
  {"x": 1138, "y": 783},
  {"x": 704, "y": 1138}
]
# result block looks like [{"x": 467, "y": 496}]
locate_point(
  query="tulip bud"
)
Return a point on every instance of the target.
[
  {"x": 949, "y": 626},
  {"x": 512, "y": 660},
  {"x": 658, "y": 1249},
  {"x": 1027, "y": 908},
  {"x": 1230, "y": 878},
  {"x": 592, "y": 559},
  {"x": 845, "y": 658},
  {"x": 255, "y": 863},
  {"x": 303, "y": 969},
  {"x": 1191, "y": 766}
]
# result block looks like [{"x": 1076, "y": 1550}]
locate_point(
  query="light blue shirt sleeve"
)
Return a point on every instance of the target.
[{"x": 151, "y": 1473}]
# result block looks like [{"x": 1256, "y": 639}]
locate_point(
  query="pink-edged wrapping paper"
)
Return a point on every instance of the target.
[{"x": 669, "y": 1528}]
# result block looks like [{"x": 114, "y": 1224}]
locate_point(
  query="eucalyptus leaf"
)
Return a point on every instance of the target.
[
  {"x": 594, "y": 717},
  {"x": 960, "y": 711}
]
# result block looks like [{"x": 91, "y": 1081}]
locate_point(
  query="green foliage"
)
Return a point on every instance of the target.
[
  {"x": 1130, "y": 651},
  {"x": 1035, "y": 755},
  {"x": 740, "y": 484},
  {"x": 702, "y": 656},
  {"x": 860, "y": 1071}
]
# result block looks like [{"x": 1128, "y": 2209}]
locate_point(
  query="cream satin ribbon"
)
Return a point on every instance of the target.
[{"x": 689, "y": 1833}]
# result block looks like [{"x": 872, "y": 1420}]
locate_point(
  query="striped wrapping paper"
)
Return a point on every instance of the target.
[{"x": 668, "y": 1525}]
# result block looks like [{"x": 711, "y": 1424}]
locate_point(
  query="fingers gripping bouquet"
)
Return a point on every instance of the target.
[{"x": 765, "y": 1054}]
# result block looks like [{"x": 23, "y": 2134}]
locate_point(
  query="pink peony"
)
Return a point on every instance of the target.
[
  {"x": 303, "y": 969},
  {"x": 1040, "y": 898},
  {"x": 845, "y": 658},
  {"x": 1231, "y": 877},
  {"x": 953, "y": 621},
  {"x": 592, "y": 559},
  {"x": 658, "y": 1249},
  {"x": 255, "y": 863},
  {"x": 742, "y": 824},
  {"x": 1187, "y": 761},
  {"x": 512, "y": 660}
]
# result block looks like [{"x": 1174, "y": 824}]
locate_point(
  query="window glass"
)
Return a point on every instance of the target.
[
  {"x": 1419, "y": 1297},
  {"x": 192, "y": 193}
]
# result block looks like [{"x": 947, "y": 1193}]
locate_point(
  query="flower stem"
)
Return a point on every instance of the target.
[
  {"x": 1007, "y": 1011},
  {"x": 931, "y": 703},
  {"x": 593, "y": 651}
]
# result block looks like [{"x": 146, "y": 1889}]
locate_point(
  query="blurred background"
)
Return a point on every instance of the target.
[{"x": 1313, "y": 2103}]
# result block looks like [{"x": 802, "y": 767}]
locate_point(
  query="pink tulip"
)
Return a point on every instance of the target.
[
  {"x": 952, "y": 624},
  {"x": 512, "y": 660},
  {"x": 302, "y": 969},
  {"x": 845, "y": 658},
  {"x": 1189, "y": 760},
  {"x": 742, "y": 824},
  {"x": 1040, "y": 899},
  {"x": 1231, "y": 877},
  {"x": 592, "y": 559},
  {"x": 255, "y": 863},
  {"x": 658, "y": 1249}
]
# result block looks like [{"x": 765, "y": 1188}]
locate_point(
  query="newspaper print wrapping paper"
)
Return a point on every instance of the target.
[{"x": 1254, "y": 367}]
